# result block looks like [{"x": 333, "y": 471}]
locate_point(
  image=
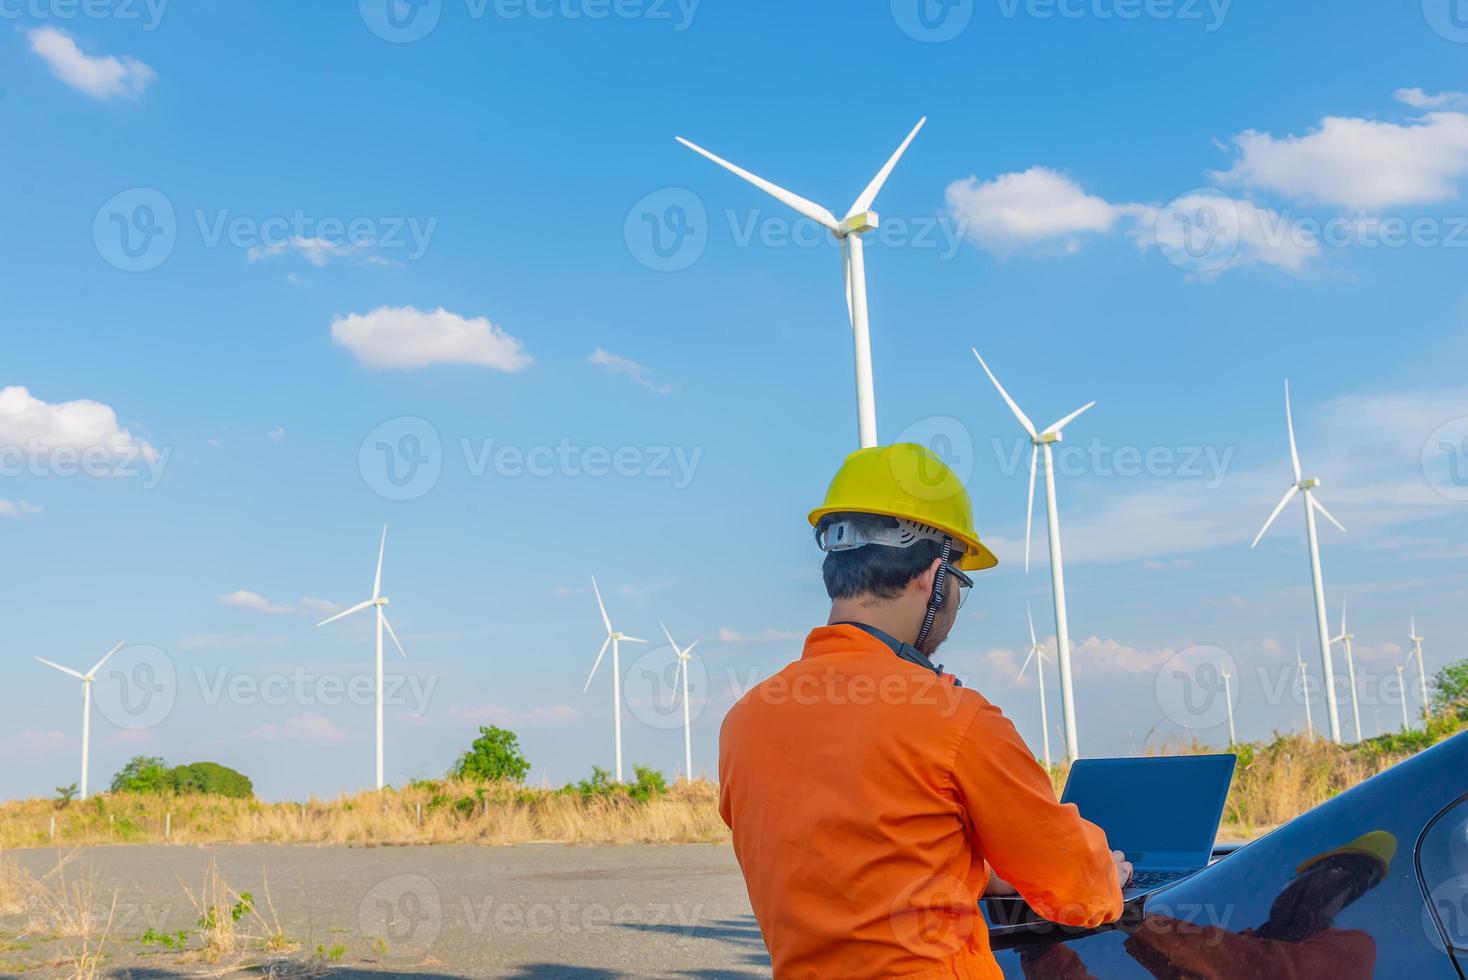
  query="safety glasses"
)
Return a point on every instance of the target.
[{"x": 965, "y": 584}]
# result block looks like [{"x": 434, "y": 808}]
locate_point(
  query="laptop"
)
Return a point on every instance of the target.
[{"x": 1163, "y": 812}]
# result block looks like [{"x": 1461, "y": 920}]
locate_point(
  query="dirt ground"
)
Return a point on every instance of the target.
[{"x": 533, "y": 911}]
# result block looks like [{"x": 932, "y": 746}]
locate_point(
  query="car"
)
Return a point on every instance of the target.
[{"x": 1373, "y": 883}]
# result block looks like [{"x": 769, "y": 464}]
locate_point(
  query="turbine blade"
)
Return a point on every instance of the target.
[
  {"x": 1343, "y": 616},
  {"x": 1325, "y": 513},
  {"x": 846, "y": 268},
  {"x": 346, "y": 612},
  {"x": 105, "y": 658},
  {"x": 1069, "y": 418},
  {"x": 1031, "y": 617},
  {"x": 1024, "y": 419},
  {"x": 604, "y": 644},
  {"x": 810, "y": 209},
  {"x": 377, "y": 580},
  {"x": 602, "y": 606},
  {"x": 677, "y": 677},
  {"x": 864, "y": 202},
  {"x": 675, "y": 646},
  {"x": 64, "y": 670},
  {"x": 1030, "y": 507},
  {"x": 688, "y": 650},
  {"x": 1289, "y": 494},
  {"x": 632, "y": 639},
  {"x": 392, "y": 633},
  {"x": 1026, "y": 665},
  {"x": 1290, "y": 422}
]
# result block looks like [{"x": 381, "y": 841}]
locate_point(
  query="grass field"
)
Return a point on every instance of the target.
[{"x": 1275, "y": 782}]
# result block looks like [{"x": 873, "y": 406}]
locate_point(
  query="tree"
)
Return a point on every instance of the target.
[
  {"x": 144, "y": 774},
  {"x": 65, "y": 794},
  {"x": 493, "y": 757},
  {"x": 1450, "y": 690},
  {"x": 210, "y": 777}
]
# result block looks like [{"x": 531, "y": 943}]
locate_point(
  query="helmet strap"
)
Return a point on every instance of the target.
[{"x": 935, "y": 601}]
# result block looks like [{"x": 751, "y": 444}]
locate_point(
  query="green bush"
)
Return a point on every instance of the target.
[
  {"x": 144, "y": 774},
  {"x": 493, "y": 757},
  {"x": 211, "y": 777},
  {"x": 649, "y": 783}
]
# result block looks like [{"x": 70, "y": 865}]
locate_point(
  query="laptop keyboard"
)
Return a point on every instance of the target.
[{"x": 1153, "y": 879}]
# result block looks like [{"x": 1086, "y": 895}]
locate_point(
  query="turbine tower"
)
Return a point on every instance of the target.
[
  {"x": 1305, "y": 689},
  {"x": 615, "y": 640},
  {"x": 1421, "y": 669},
  {"x": 684, "y": 655},
  {"x": 859, "y": 220},
  {"x": 86, "y": 680},
  {"x": 1038, "y": 655},
  {"x": 1228, "y": 699},
  {"x": 377, "y": 603},
  {"x": 1345, "y": 640},
  {"x": 1402, "y": 687},
  {"x": 1044, "y": 443},
  {"x": 1306, "y": 489}
]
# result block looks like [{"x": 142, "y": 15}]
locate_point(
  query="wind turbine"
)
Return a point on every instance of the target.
[
  {"x": 1228, "y": 698},
  {"x": 859, "y": 220},
  {"x": 615, "y": 640},
  {"x": 1306, "y": 488},
  {"x": 1037, "y": 654},
  {"x": 1345, "y": 640},
  {"x": 684, "y": 655},
  {"x": 86, "y": 680},
  {"x": 1044, "y": 442},
  {"x": 377, "y": 603},
  {"x": 1305, "y": 688},
  {"x": 1402, "y": 687},
  {"x": 1421, "y": 669}
]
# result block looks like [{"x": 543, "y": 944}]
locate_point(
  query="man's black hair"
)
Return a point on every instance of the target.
[{"x": 878, "y": 569}]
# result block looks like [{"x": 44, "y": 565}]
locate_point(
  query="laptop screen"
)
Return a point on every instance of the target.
[{"x": 1162, "y": 811}]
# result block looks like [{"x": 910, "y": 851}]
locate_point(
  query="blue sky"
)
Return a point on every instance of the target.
[{"x": 341, "y": 238}]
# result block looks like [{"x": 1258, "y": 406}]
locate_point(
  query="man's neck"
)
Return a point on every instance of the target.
[{"x": 880, "y": 615}]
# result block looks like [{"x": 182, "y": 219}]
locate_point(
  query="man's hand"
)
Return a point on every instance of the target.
[{"x": 1124, "y": 868}]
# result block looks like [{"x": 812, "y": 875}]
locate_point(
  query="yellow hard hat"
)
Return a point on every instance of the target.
[
  {"x": 909, "y": 482},
  {"x": 1377, "y": 844}
]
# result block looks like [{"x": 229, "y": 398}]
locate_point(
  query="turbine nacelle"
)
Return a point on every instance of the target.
[
  {"x": 1048, "y": 438},
  {"x": 858, "y": 224},
  {"x": 1311, "y": 484}
]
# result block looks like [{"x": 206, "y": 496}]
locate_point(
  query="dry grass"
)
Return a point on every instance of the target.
[
  {"x": 1275, "y": 782},
  {"x": 443, "y": 813}
]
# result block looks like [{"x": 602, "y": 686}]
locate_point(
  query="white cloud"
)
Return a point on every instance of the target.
[
  {"x": 1039, "y": 205},
  {"x": 406, "y": 338},
  {"x": 323, "y": 607},
  {"x": 727, "y": 635},
  {"x": 640, "y": 374},
  {"x": 30, "y": 742},
  {"x": 317, "y": 251},
  {"x": 276, "y": 434},
  {"x": 309, "y": 727},
  {"x": 1358, "y": 163},
  {"x": 552, "y": 716},
  {"x": 28, "y": 422},
  {"x": 252, "y": 601},
  {"x": 16, "y": 509},
  {"x": 1418, "y": 99},
  {"x": 1248, "y": 233},
  {"x": 101, "y": 77}
]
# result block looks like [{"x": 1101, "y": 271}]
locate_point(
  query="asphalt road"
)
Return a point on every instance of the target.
[{"x": 535, "y": 911}]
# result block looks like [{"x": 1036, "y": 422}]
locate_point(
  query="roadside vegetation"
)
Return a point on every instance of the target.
[{"x": 483, "y": 800}]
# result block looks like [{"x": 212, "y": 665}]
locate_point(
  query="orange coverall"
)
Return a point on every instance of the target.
[{"x": 868, "y": 799}]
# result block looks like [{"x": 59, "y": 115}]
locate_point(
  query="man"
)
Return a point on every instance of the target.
[{"x": 874, "y": 800}]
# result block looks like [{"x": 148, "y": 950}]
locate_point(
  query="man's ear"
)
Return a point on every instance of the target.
[{"x": 923, "y": 584}]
